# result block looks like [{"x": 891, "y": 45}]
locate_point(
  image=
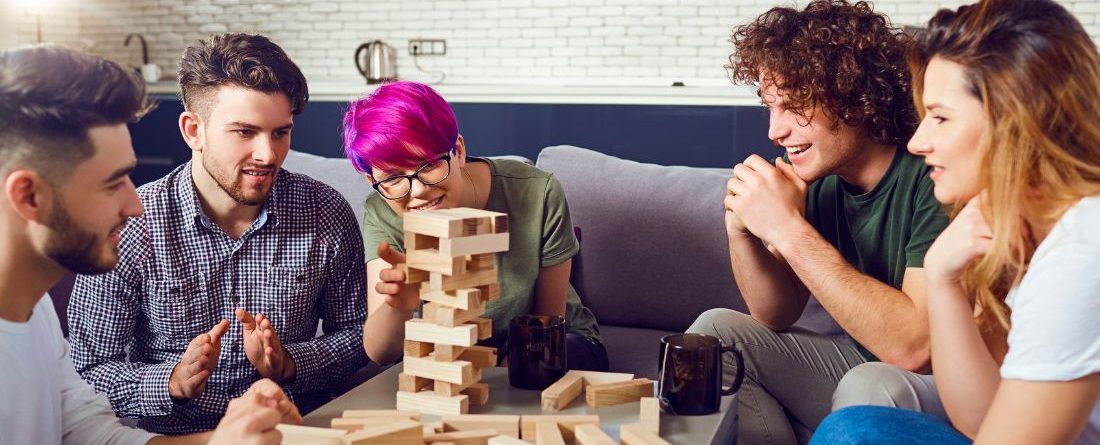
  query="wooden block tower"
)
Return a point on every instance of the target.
[{"x": 452, "y": 254}]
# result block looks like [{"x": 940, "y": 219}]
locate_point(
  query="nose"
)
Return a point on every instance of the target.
[
  {"x": 132, "y": 206},
  {"x": 263, "y": 152},
  {"x": 418, "y": 188},
  {"x": 918, "y": 144},
  {"x": 778, "y": 126}
]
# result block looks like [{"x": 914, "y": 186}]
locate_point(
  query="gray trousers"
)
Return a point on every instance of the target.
[{"x": 791, "y": 378}]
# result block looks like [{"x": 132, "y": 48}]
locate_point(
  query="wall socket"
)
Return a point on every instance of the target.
[{"x": 427, "y": 47}]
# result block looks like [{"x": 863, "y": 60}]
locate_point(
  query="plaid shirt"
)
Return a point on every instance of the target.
[{"x": 179, "y": 274}]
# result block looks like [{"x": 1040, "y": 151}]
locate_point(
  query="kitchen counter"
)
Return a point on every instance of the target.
[{"x": 703, "y": 93}]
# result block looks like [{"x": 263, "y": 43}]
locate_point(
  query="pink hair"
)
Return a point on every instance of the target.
[{"x": 399, "y": 125}]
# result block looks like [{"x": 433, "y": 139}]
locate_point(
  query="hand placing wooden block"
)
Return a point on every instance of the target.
[
  {"x": 636, "y": 434},
  {"x": 615, "y": 393},
  {"x": 592, "y": 435}
]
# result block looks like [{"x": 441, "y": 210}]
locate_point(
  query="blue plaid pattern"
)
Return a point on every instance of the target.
[{"x": 179, "y": 274}]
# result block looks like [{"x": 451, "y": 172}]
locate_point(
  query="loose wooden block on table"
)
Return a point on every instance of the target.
[
  {"x": 592, "y": 435},
  {"x": 649, "y": 415},
  {"x": 547, "y": 433},
  {"x": 408, "y": 414},
  {"x": 478, "y": 392},
  {"x": 412, "y": 383},
  {"x": 468, "y": 437},
  {"x": 616, "y": 393},
  {"x": 417, "y": 348},
  {"x": 465, "y": 299},
  {"x": 637, "y": 434},
  {"x": 565, "y": 422},
  {"x": 398, "y": 432},
  {"x": 561, "y": 393},
  {"x": 308, "y": 435},
  {"x": 457, "y": 372},
  {"x": 600, "y": 378},
  {"x": 503, "y": 424},
  {"x": 451, "y": 316},
  {"x": 357, "y": 423},
  {"x": 423, "y": 331},
  {"x": 506, "y": 440},
  {"x": 429, "y": 402}
]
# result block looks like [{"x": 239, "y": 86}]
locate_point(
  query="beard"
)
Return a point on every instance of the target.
[
  {"x": 233, "y": 187},
  {"x": 76, "y": 249}
]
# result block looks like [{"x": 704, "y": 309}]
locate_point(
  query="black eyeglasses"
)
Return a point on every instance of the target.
[{"x": 431, "y": 173}]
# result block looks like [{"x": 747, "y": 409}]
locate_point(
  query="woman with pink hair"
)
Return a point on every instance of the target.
[{"x": 405, "y": 139}]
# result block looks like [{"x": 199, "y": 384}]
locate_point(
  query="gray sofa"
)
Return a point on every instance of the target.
[{"x": 653, "y": 245}]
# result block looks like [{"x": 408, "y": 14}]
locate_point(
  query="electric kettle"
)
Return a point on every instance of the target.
[{"x": 380, "y": 62}]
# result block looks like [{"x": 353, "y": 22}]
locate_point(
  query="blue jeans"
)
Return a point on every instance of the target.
[{"x": 881, "y": 425}]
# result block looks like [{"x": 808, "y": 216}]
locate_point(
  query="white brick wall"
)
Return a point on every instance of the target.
[{"x": 522, "y": 41}]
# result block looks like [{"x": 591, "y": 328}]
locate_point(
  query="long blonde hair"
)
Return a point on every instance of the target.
[{"x": 1037, "y": 73}]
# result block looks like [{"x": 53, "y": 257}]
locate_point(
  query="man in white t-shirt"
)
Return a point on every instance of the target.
[{"x": 65, "y": 195}]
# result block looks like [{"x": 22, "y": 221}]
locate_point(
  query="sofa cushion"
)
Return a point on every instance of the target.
[
  {"x": 337, "y": 173},
  {"x": 654, "y": 253},
  {"x": 632, "y": 350}
]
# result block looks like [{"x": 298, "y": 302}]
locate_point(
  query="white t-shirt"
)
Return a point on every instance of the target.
[
  {"x": 42, "y": 399},
  {"x": 1055, "y": 333}
]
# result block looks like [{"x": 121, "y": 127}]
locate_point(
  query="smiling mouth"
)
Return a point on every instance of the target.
[
  {"x": 797, "y": 149},
  {"x": 428, "y": 205},
  {"x": 257, "y": 173}
]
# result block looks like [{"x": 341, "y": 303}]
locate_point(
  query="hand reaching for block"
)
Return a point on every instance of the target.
[
  {"x": 401, "y": 296},
  {"x": 263, "y": 348},
  {"x": 188, "y": 379}
]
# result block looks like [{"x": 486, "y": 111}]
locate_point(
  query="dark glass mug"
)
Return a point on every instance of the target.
[
  {"x": 689, "y": 373},
  {"x": 536, "y": 351}
]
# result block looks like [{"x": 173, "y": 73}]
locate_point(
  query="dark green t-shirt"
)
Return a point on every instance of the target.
[
  {"x": 883, "y": 231},
  {"x": 540, "y": 235}
]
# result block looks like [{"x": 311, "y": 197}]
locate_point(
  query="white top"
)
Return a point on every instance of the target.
[
  {"x": 42, "y": 399},
  {"x": 1055, "y": 335}
]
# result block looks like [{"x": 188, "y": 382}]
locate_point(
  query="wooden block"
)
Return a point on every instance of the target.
[
  {"x": 650, "y": 414},
  {"x": 429, "y": 402},
  {"x": 637, "y": 434},
  {"x": 451, "y": 389},
  {"x": 547, "y": 433},
  {"x": 432, "y": 260},
  {"x": 484, "y": 328},
  {"x": 599, "y": 378},
  {"x": 506, "y": 440},
  {"x": 397, "y": 432},
  {"x": 561, "y": 393},
  {"x": 472, "y": 278},
  {"x": 458, "y": 372},
  {"x": 308, "y": 435},
  {"x": 498, "y": 221},
  {"x": 478, "y": 393},
  {"x": 417, "y": 348},
  {"x": 350, "y": 424},
  {"x": 414, "y": 275},
  {"x": 412, "y": 383},
  {"x": 465, "y": 299},
  {"x": 481, "y": 261},
  {"x": 414, "y": 415},
  {"x": 432, "y": 427},
  {"x": 489, "y": 292},
  {"x": 503, "y": 424},
  {"x": 419, "y": 241},
  {"x": 593, "y": 435},
  {"x": 468, "y": 437},
  {"x": 435, "y": 223},
  {"x": 451, "y": 316},
  {"x": 473, "y": 245},
  {"x": 421, "y": 330},
  {"x": 616, "y": 393},
  {"x": 565, "y": 422},
  {"x": 449, "y": 353},
  {"x": 480, "y": 356}
]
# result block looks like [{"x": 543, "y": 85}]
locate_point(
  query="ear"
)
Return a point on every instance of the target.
[
  {"x": 370, "y": 178},
  {"x": 29, "y": 194},
  {"x": 460, "y": 150},
  {"x": 193, "y": 130}
]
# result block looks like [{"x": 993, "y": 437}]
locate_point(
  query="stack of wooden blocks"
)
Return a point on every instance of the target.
[{"x": 452, "y": 254}]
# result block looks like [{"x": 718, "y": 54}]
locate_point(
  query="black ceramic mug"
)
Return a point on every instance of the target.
[
  {"x": 536, "y": 351},
  {"x": 689, "y": 373}
]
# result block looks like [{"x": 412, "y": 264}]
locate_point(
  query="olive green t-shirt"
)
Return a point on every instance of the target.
[
  {"x": 886, "y": 230},
  {"x": 883, "y": 231},
  {"x": 540, "y": 235}
]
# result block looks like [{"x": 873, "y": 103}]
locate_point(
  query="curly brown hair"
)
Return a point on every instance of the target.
[
  {"x": 842, "y": 56},
  {"x": 248, "y": 60}
]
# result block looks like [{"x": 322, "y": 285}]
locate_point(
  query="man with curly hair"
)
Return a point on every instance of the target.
[{"x": 846, "y": 215}]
